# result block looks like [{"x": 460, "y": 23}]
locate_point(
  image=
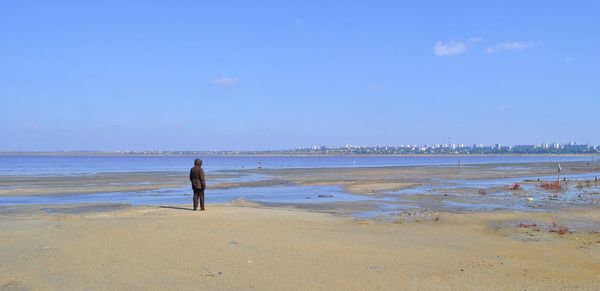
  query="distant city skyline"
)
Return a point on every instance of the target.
[
  {"x": 543, "y": 148},
  {"x": 245, "y": 75},
  {"x": 450, "y": 144}
]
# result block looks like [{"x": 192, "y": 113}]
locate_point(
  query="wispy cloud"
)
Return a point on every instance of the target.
[
  {"x": 225, "y": 81},
  {"x": 29, "y": 126},
  {"x": 475, "y": 39},
  {"x": 451, "y": 48},
  {"x": 510, "y": 45}
]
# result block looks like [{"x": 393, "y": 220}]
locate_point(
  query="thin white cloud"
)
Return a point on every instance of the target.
[
  {"x": 225, "y": 81},
  {"x": 475, "y": 39},
  {"x": 451, "y": 48},
  {"x": 29, "y": 126},
  {"x": 510, "y": 45}
]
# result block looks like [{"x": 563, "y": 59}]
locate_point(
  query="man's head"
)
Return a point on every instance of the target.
[{"x": 197, "y": 162}]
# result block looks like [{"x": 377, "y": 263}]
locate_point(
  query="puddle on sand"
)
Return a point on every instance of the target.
[
  {"x": 441, "y": 195},
  {"x": 463, "y": 195},
  {"x": 80, "y": 209},
  {"x": 178, "y": 196},
  {"x": 290, "y": 194}
]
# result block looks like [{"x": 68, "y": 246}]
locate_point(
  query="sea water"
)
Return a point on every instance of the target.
[{"x": 81, "y": 165}]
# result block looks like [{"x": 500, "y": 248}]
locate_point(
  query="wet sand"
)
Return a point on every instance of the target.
[
  {"x": 253, "y": 247},
  {"x": 364, "y": 181},
  {"x": 44, "y": 185}
]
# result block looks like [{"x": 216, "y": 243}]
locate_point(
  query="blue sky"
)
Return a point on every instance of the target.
[{"x": 194, "y": 75}]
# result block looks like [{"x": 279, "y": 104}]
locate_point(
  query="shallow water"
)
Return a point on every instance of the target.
[
  {"x": 464, "y": 194},
  {"x": 178, "y": 196},
  {"x": 439, "y": 194},
  {"x": 461, "y": 195},
  {"x": 82, "y": 165}
]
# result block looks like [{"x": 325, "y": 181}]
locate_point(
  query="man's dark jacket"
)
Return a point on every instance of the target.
[{"x": 197, "y": 178}]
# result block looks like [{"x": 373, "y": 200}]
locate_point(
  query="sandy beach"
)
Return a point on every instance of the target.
[
  {"x": 229, "y": 247},
  {"x": 387, "y": 240}
]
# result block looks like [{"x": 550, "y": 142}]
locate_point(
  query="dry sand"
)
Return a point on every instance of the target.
[{"x": 231, "y": 248}]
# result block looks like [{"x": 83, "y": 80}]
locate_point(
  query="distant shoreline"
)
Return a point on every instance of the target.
[{"x": 267, "y": 154}]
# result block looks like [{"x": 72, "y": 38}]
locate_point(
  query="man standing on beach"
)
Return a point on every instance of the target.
[{"x": 198, "y": 184}]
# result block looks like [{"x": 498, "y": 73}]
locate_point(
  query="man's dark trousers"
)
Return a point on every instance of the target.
[{"x": 198, "y": 194}]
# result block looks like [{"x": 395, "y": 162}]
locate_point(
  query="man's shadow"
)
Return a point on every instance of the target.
[{"x": 175, "y": 207}]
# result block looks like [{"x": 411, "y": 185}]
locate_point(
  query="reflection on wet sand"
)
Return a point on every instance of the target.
[{"x": 362, "y": 192}]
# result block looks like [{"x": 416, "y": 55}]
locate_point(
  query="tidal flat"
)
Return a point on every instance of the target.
[
  {"x": 445, "y": 227},
  {"x": 476, "y": 187}
]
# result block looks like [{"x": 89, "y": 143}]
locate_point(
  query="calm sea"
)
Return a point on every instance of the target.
[{"x": 79, "y": 165}]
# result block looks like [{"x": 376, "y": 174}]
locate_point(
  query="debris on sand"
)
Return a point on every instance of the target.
[
  {"x": 325, "y": 196},
  {"x": 559, "y": 229},
  {"x": 532, "y": 226},
  {"x": 548, "y": 228},
  {"x": 481, "y": 191},
  {"x": 417, "y": 215},
  {"x": 552, "y": 186},
  {"x": 587, "y": 183},
  {"x": 515, "y": 187}
]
